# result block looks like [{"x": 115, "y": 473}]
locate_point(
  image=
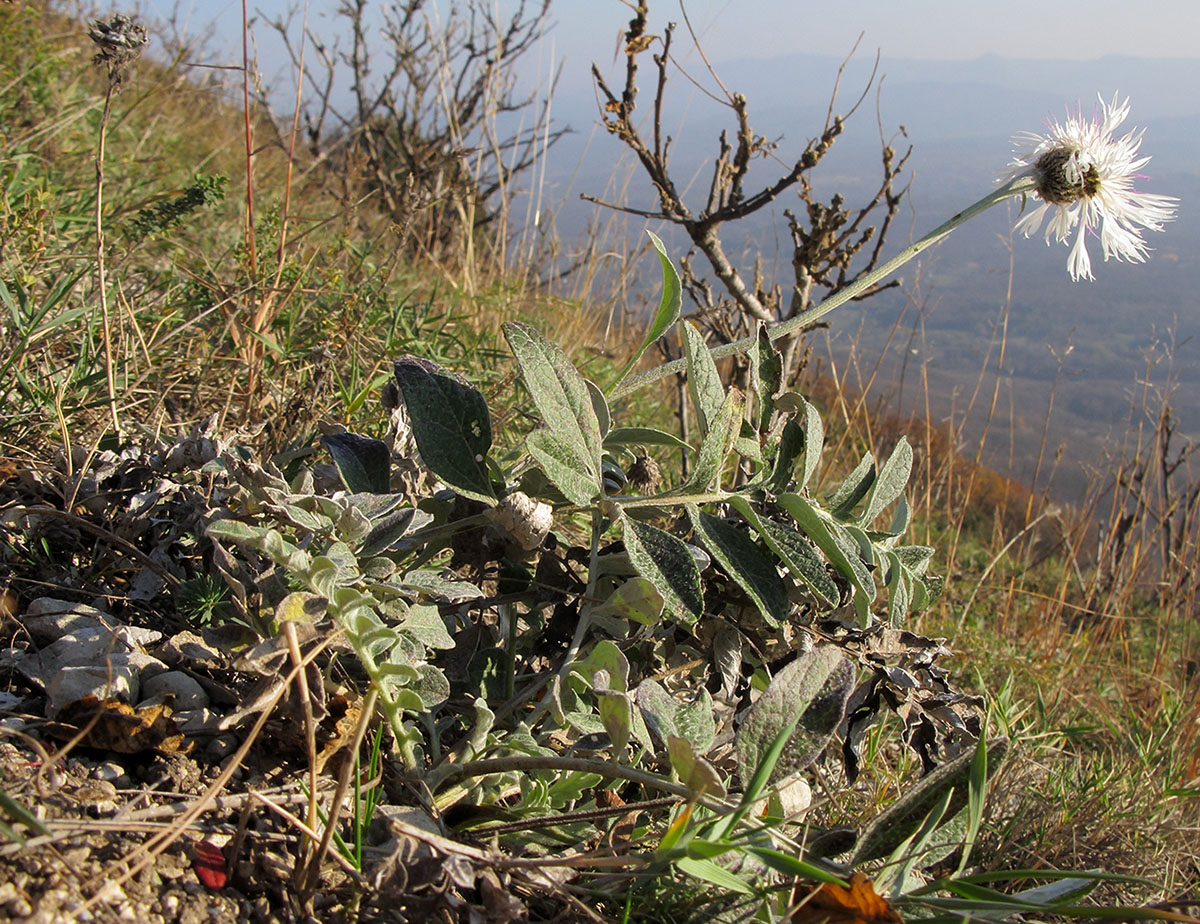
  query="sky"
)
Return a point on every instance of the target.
[{"x": 925, "y": 29}]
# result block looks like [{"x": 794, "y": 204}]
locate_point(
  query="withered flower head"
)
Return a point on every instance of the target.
[{"x": 118, "y": 43}]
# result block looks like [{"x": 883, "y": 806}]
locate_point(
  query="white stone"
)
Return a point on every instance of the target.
[
  {"x": 47, "y": 619},
  {"x": 186, "y": 692},
  {"x": 110, "y": 771},
  {"x": 117, "y": 678},
  {"x": 190, "y": 648}
]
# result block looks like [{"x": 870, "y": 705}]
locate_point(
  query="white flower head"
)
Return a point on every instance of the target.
[{"x": 1085, "y": 177}]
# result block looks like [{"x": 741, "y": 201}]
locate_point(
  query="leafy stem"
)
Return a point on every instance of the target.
[{"x": 1018, "y": 187}]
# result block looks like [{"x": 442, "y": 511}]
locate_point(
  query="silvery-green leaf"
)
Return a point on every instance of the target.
[
  {"x": 365, "y": 464},
  {"x": 794, "y": 550},
  {"x": 727, "y": 656},
  {"x": 564, "y": 466},
  {"x": 451, "y": 425},
  {"x": 605, "y": 656},
  {"x": 898, "y": 821},
  {"x": 657, "y": 708},
  {"x": 616, "y": 714},
  {"x": 696, "y": 773},
  {"x": 915, "y": 557},
  {"x": 901, "y": 517},
  {"x": 391, "y": 528},
  {"x": 665, "y": 561},
  {"x": 752, "y": 569},
  {"x": 669, "y": 306},
  {"x": 717, "y": 444},
  {"x": 696, "y": 721},
  {"x": 814, "y": 687},
  {"x": 787, "y": 453},
  {"x": 352, "y": 525},
  {"x": 671, "y": 301},
  {"x": 561, "y": 396},
  {"x": 899, "y": 585},
  {"x": 766, "y": 374},
  {"x": 642, "y": 436},
  {"x": 424, "y": 622},
  {"x": 236, "y": 531},
  {"x": 814, "y": 442},
  {"x": 586, "y": 723},
  {"x": 434, "y": 585},
  {"x": 890, "y": 483},
  {"x": 600, "y": 406},
  {"x": 408, "y": 700},
  {"x": 636, "y": 599},
  {"x": 821, "y": 532},
  {"x": 853, "y": 489},
  {"x": 432, "y": 686},
  {"x": 703, "y": 379}
]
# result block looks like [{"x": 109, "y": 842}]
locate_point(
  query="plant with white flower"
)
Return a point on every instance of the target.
[{"x": 1085, "y": 180}]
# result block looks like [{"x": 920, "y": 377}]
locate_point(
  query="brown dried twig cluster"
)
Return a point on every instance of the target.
[
  {"x": 833, "y": 244},
  {"x": 425, "y": 131}
]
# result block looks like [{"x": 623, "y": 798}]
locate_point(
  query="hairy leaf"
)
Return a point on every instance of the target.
[
  {"x": 814, "y": 687},
  {"x": 745, "y": 562},
  {"x": 637, "y": 599},
  {"x": 665, "y": 561},
  {"x": 669, "y": 306},
  {"x": 564, "y": 466},
  {"x": 898, "y": 821},
  {"x": 451, "y": 425},
  {"x": 853, "y": 489},
  {"x": 766, "y": 374},
  {"x": 794, "y": 550},
  {"x": 890, "y": 482},
  {"x": 642, "y": 436},
  {"x": 822, "y": 533},
  {"x": 564, "y": 401},
  {"x": 365, "y": 464},
  {"x": 718, "y": 443},
  {"x": 703, "y": 379}
]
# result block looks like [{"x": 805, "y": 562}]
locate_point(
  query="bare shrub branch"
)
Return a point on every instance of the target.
[{"x": 833, "y": 244}]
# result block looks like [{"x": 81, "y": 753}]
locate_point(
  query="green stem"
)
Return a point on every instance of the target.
[
  {"x": 1018, "y": 187},
  {"x": 604, "y": 768},
  {"x": 392, "y": 711}
]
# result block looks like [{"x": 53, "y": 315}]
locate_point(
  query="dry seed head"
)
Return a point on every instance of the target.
[
  {"x": 644, "y": 475},
  {"x": 119, "y": 42}
]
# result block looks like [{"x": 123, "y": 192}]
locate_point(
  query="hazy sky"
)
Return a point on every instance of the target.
[{"x": 941, "y": 29}]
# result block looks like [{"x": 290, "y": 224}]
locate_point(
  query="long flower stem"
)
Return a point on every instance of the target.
[
  {"x": 109, "y": 364},
  {"x": 1019, "y": 186}
]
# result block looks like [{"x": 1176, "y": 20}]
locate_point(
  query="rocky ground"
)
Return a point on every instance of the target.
[{"x": 156, "y": 757}]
